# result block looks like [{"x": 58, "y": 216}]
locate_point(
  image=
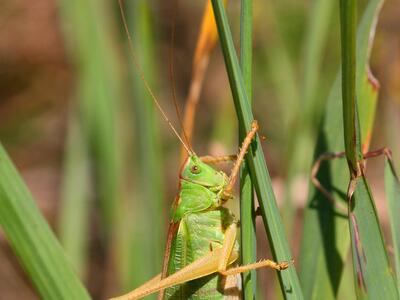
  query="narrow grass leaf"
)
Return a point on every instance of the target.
[
  {"x": 325, "y": 240},
  {"x": 273, "y": 224},
  {"x": 348, "y": 13},
  {"x": 372, "y": 273},
  {"x": 392, "y": 189},
  {"x": 32, "y": 239},
  {"x": 248, "y": 243}
]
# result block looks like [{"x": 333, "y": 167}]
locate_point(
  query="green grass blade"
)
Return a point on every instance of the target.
[
  {"x": 392, "y": 189},
  {"x": 348, "y": 10},
  {"x": 325, "y": 240},
  {"x": 273, "y": 224},
  {"x": 372, "y": 273},
  {"x": 145, "y": 254},
  {"x": 75, "y": 197},
  {"x": 248, "y": 244},
  {"x": 32, "y": 239}
]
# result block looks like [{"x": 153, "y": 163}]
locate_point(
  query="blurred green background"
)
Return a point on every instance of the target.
[{"x": 100, "y": 161}]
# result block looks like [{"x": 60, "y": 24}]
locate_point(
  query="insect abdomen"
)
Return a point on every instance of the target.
[{"x": 198, "y": 234}]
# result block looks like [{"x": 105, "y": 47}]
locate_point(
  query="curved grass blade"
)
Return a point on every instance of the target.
[
  {"x": 273, "y": 224},
  {"x": 392, "y": 189},
  {"x": 325, "y": 240},
  {"x": 32, "y": 239},
  {"x": 248, "y": 242}
]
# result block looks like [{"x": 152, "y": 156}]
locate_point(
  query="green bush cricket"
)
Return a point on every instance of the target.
[{"x": 202, "y": 241}]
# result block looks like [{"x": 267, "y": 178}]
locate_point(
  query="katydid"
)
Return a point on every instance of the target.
[{"x": 202, "y": 244}]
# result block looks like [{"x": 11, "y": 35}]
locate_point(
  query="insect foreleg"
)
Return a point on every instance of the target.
[{"x": 245, "y": 146}]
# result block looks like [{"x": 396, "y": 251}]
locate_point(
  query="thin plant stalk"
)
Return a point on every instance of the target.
[{"x": 247, "y": 216}]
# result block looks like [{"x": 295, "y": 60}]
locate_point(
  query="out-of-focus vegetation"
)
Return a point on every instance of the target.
[{"x": 103, "y": 166}]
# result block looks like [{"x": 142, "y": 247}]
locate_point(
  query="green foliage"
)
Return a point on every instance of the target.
[
  {"x": 373, "y": 276},
  {"x": 32, "y": 239},
  {"x": 348, "y": 43}
]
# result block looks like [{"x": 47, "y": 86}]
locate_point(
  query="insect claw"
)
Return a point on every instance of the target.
[
  {"x": 283, "y": 265},
  {"x": 254, "y": 125}
]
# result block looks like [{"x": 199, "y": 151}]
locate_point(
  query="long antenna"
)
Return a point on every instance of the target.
[
  {"x": 141, "y": 73},
  {"x": 172, "y": 72}
]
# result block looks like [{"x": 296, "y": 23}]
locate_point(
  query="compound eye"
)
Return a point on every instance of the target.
[{"x": 195, "y": 169}]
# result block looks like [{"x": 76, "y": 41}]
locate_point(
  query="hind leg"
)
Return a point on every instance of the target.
[{"x": 217, "y": 260}]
